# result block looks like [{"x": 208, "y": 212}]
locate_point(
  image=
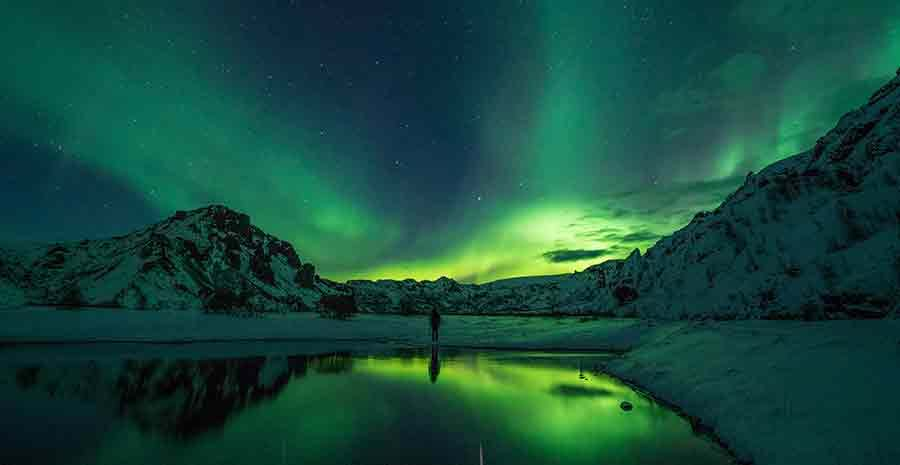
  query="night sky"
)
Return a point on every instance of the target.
[{"x": 471, "y": 139}]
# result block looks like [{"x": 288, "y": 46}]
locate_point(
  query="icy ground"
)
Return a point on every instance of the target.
[{"x": 776, "y": 392}]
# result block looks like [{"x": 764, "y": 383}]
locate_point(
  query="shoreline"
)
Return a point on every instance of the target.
[{"x": 697, "y": 425}]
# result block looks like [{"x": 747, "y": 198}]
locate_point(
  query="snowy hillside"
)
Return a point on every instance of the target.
[
  {"x": 207, "y": 258},
  {"x": 815, "y": 235}
]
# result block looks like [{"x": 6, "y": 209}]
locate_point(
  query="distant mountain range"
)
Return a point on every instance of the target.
[{"x": 814, "y": 236}]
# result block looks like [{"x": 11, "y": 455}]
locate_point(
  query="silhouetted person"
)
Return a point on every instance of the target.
[
  {"x": 434, "y": 367},
  {"x": 435, "y": 325}
]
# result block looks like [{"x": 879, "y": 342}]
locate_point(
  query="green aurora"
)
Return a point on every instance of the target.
[{"x": 472, "y": 141}]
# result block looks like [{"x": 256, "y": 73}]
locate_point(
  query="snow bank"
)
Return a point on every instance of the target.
[{"x": 789, "y": 393}]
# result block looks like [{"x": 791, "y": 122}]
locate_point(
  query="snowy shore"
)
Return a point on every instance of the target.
[
  {"x": 780, "y": 392},
  {"x": 775, "y": 392}
]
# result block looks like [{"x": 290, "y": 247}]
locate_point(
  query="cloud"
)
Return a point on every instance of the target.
[
  {"x": 640, "y": 236},
  {"x": 573, "y": 255},
  {"x": 606, "y": 212}
]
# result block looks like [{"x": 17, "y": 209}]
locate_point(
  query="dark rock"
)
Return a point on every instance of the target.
[
  {"x": 854, "y": 305},
  {"x": 338, "y": 306},
  {"x": 407, "y": 306},
  {"x": 192, "y": 251},
  {"x": 232, "y": 243},
  {"x": 234, "y": 259},
  {"x": 626, "y": 406},
  {"x": 233, "y": 251},
  {"x": 261, "y": 266},
  {"x": 306, "y": 276},
  {"x": 849, "y": 140},
  {"x": 846, "y": 179},
  {"x": 296, "y": 304},
  {"x": 812, "y": 311},
  {"x": 286, "y": 250},
  {"x": 625, "y": 294},
  {"x": 72, "y": 297},
  {"x": 229, "y": 220},
  {"x": 811, "y": 172},
  {"x": 56, "y": 257},
  {"x": 162, "y": 263},
  {"x": 155, "y": 246},
  {"x": 885, "y": 90},
  {"x": 226, "y": 299}
]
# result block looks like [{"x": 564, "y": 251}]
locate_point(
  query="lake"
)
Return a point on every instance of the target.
[{"x": 386, "y": 407}]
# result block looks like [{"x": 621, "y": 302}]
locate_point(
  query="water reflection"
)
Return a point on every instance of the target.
[
  {"x": 570, "y": 390},
  {"x": 343, "y": 408},
  {"x": 434, "y": 366},
  {"x": 178, "y": 398}
]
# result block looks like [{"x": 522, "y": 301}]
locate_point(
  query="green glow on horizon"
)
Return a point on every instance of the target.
[{"x": 513, "y": 244}]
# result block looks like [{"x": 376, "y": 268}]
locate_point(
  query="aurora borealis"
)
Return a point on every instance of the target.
[{"x": 476, "y": 140}]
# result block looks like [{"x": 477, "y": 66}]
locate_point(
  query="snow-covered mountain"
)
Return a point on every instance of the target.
[
  {"x": 813, "y": 236},
  {"x": 208, "y": 258},
  {"x": 816, "y": 235}
]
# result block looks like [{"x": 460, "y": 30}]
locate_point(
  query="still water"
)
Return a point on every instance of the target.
[{"x": 410, "y": 407}]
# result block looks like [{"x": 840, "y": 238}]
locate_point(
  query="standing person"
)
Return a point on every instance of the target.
[{"x": 435, "y": 325}]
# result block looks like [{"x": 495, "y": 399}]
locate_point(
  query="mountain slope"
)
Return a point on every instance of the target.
[
  {"x": 207, "y": 258},
  {"x": 815, "y": 235}
]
